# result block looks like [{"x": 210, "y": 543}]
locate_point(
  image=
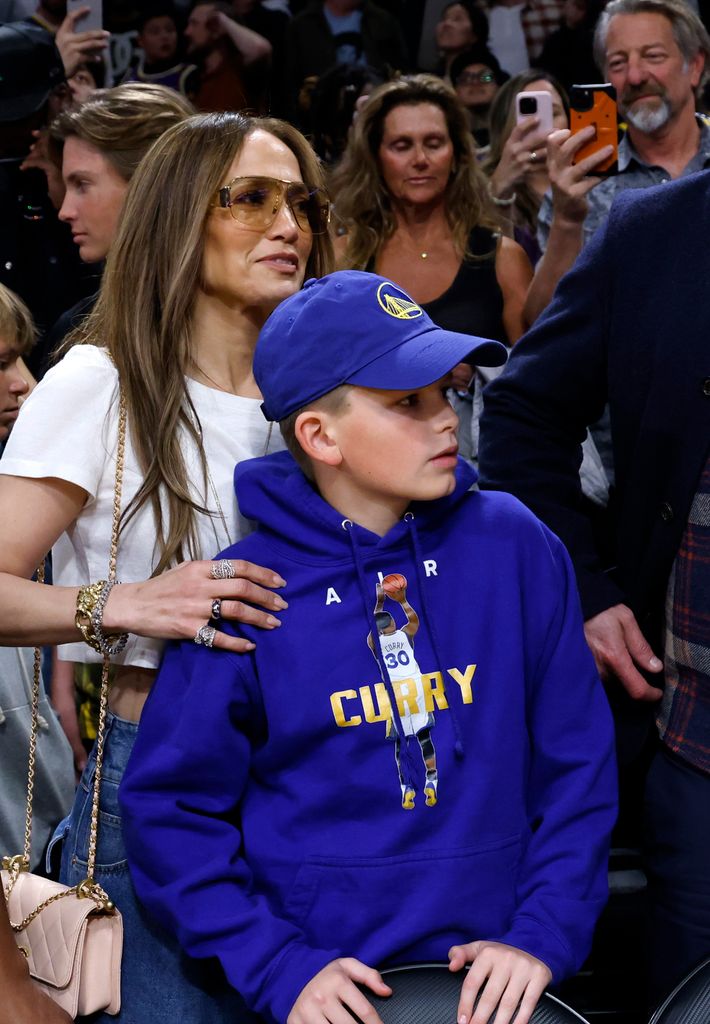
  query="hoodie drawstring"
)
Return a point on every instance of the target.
[{"x": 421, "y": 580}]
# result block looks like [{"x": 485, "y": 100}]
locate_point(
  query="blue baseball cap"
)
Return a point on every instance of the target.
[{"x": 352, "y": 327}]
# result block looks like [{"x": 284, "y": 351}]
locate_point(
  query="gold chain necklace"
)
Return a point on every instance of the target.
[
  {"x": 211, "y": 379},
  {"x": 218, "y": 503}
]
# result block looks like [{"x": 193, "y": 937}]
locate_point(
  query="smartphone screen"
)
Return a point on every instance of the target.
[
  {"x": 596, "y": 105},
  {"x": 535, "y": 104},
  {"x": 93, "y": 19}
]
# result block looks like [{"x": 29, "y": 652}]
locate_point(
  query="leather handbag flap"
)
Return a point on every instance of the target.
[{"x": 51, "y": 939}]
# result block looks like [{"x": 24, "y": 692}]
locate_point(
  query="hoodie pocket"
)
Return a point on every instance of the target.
[{"x": 394, "y": 903}]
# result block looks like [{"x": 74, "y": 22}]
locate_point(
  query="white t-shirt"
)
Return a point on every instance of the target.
[
  {"x": 68, "y": 429},
  {"x": 506, "y": 39}
]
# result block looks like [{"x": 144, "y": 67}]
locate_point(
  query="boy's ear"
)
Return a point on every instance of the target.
[{"x": 313, "y": 430}]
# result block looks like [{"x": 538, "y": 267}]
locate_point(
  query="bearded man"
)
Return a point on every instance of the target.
[{"x": 654, "y": 53}]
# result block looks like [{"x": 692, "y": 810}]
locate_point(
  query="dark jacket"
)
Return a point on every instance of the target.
[
  {"x": 311, "y": 46},
  {"x": 630, "y": 324}
]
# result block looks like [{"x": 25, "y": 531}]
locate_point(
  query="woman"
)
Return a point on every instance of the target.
[
  {"x": 517, "y": 160},
  {"x": 415, "y": 207},
  {"x": 95, "y": 151},
  {"x": 223, "y": 219},
  {"x": 461, "y": 25}
]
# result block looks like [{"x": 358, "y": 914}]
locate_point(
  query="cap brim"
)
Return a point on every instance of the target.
[{"x": 426, "y": 358}]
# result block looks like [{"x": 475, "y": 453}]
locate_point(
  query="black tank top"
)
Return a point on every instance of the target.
[{"x": 473, "y": 304}]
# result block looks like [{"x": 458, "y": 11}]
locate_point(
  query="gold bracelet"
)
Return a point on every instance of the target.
[
  {"x": 86, "y": 601},
  {"x": 90, "y": 603}
]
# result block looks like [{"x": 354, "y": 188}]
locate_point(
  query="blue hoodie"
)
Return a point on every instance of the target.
[{"x": 263, "y": 803}]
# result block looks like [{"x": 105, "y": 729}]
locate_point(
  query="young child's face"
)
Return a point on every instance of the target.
[
  {"x": 158, "y": 39},
  {"x": 397, "y": 446},
  {"x": 12, "y": 387}
]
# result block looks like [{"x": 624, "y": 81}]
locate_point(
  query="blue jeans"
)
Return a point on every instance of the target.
[{"x": 159, "y": 983}]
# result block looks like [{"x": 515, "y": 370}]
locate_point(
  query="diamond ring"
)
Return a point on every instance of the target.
[
  {"x": 223, "y": 570},
  {"x": 204, "y": 637}
]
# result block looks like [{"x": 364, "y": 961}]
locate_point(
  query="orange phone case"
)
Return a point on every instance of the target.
[{"x": 596, "y": 105}]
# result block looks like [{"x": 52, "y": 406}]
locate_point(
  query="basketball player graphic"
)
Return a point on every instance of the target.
[{"x": 397, "y": 646}]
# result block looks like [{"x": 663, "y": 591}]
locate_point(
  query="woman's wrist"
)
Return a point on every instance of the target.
[
  {"x": 501, "y": 200},
  {"x": 500, "y": 189},
  {"x": 117, "y": 609},
  {"x": 89, "y": 619}
]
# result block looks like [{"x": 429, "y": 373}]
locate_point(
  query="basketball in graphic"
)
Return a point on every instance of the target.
[{"x": 394, "y": 582}]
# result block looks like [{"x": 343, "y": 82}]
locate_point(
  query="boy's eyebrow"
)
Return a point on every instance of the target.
[{"x": 74, "y": 176}]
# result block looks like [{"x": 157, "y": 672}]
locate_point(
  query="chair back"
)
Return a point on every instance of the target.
[
  {"x": 689, "y": 1002},
  {"x": 429, "y": 994}
]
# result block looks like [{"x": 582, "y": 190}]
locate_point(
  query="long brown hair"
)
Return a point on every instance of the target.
[
  {"x": 362, "y": 202},
  {"x": 145, "y": 308}
]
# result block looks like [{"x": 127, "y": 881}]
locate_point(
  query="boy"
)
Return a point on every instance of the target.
[
  {"x": 17, "y": 336},
  {"x": 158, "y": 60},
  {"x": 265, "y": 820}
]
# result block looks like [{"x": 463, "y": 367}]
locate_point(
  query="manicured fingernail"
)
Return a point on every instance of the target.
[
  {"x": 277, "y": 581},
  {"x": 279, "y": 602},
  {"x": 655, "y": 663},
  {"x": 249, "y": 646},
  {"x": 271, "y": 621},
  {"x": 462, "y": 1019}
]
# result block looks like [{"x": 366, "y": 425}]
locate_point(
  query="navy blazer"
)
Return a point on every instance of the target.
[{"x": 630, "y": 324}]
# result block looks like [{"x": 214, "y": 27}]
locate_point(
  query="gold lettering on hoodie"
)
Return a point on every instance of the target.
[{"x": 374, "y": 703}]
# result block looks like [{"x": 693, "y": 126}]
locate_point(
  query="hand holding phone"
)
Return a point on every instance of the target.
[{"x": 595, "y": 106}]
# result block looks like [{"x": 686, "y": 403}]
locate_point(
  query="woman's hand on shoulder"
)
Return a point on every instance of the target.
[{"x": 176, "y": 604}]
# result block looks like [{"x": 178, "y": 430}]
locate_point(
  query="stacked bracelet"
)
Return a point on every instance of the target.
[
  {"x": 90, "y": 603},
  {"x": 497, "y": 199}
]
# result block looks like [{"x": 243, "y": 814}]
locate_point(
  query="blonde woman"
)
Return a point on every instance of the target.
[{"x": 223, "y": 219}]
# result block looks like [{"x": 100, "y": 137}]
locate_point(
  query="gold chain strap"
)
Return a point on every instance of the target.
[
  {"x": 88, "y": 888},
  {"x": 15, "y": 865},
  {"x": 103, "y": 706}
]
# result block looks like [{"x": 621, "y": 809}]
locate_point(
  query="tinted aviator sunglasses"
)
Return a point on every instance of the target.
[{"x": 255, "y": 202}]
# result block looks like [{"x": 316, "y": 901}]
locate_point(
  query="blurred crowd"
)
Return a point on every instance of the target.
[{"x": 441, "y": 179}]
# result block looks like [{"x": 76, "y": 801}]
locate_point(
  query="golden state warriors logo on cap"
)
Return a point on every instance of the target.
[{"x": 397, "y": 303}]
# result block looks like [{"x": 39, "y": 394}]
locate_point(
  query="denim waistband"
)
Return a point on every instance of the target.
[{"x": 120, "y": 735}]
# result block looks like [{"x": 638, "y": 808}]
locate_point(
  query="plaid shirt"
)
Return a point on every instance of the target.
[
  {"x": 539, "y": 18},
  {"x": 684, "y": 717}
]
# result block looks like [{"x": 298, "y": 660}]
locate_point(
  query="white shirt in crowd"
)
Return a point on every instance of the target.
[{"x": 507, "y": 38}]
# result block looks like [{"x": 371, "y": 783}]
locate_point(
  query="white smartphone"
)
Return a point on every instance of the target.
[
  {"x": 535, "y": 104},
  {"x": 93, "y": 19}
]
